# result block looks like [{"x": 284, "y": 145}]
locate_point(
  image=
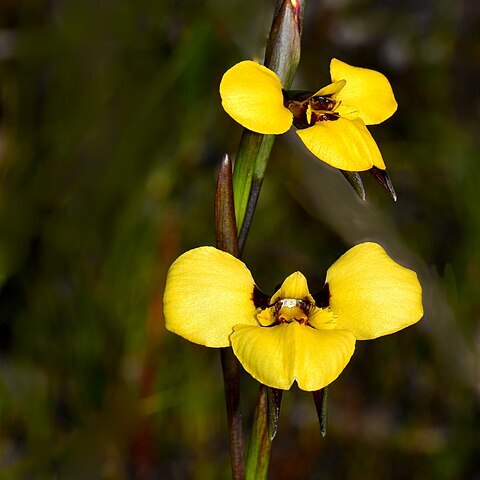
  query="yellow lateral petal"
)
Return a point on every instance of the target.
[
  {"x": 294, "y": 286},
  {"x": 371, "y": 295},
  {"x": 208, "y": 292},
  {"x": 346, "y": 111},
  {"x": 252, "y": 96},
  {"x": 266, "y": 317},
  {"x": 331, "y": 90},
  {"x": 366, "y": 90},
  {"x": 277, "y": 356},
  {"x": 322, "y": 318},
  {"x": 344, "y": 144}
]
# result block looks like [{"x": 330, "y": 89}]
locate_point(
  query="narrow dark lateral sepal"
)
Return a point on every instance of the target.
[
  {"x": 381, "y": 176},
  {"x": 274, "y": 403},
  {"x": 355, "y": 181},
  {"x": 320, "y": 398}
]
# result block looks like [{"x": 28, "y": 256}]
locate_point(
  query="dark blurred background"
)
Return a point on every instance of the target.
[{"x": 111, "y": 131}]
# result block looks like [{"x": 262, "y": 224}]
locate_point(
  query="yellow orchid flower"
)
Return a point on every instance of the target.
[
  {"x": 331, "y": 122},
  {"x": 211, "y": 299}
]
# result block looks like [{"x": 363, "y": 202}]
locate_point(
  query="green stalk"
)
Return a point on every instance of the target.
[
  {"x": 250, "y": 165},
  {"x": 231, "y": 379},
  {"x": 258, "y": 456},
  {"x": 226, "y": 235},
  {"x": 282, "y": 56},
  {"x": 236, "y": 200}
]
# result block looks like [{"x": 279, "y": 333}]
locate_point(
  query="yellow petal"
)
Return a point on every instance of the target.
[
  {"x": 331, "y": 90},
  {"x": 208, "y": 292},
  {"x": 252, "y": 96},
  {"x": 266, "y": 317},
  {"x": 321, "y": 355},
  {"x": 266, "y": 353},
  {"x": 294, "y": 286},
  {"x": 371, "y": 295},
  {"x": 309, "y": 114},
  {"x": 346, "y": 111},
  {"x": 366, "y": 90},
  {"x": 277, "y": 356},
  {"x": 322, "y": 318},
  {"x": 344, "y": 144}
]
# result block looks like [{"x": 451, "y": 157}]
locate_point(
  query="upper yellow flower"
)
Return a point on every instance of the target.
[
  {"x": 331, "y": 122},
  {"x": 211, "y": 299}
]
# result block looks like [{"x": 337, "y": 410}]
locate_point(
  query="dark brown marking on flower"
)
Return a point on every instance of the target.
[
  {"x": 322, "y": 298},
  {"x": 322, "y": 102},
  {"x": 297, "y": 96},
  {"x": 260, "y": 299},
  {"x": 300, "y": 124},
  {"x": 321, "y": 108},
  {"x": 298, "y": 109},
  {"x": 292, "y": 310},
  {"x": 288, "y": 318},
  {"x": 321, "y": 116},
  {"x": 305, "y": 305}
]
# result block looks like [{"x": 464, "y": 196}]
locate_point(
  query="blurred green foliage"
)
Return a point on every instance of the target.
[{"x": 111, "y": 132}]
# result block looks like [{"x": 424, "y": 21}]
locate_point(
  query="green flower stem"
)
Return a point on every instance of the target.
[
  {"x": 250, "y": 165},
  {"x": 226, "y": 236},
  {"x": 245, "y": 160},
  {"x": 282, "y": 56},
  {"x": 258, "y": 456},
  {"x": 234, "y": 212},
  {"x": 231, "y": 380}
]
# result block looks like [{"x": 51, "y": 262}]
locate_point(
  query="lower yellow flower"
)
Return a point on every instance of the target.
[
  {"x": 211, "y": 299},
  {"x": 331, "y": 122}
]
